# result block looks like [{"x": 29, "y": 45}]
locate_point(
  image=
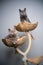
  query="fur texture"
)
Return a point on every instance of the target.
[{"x": 23, "y": 15}]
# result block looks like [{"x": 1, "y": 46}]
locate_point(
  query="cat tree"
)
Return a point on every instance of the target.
[{"x": 23, "y": 27}]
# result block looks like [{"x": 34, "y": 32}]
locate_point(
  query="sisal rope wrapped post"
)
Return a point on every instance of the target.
[
  {"x": 24, "y": 54},
  {"x": 28, "y": 48}
]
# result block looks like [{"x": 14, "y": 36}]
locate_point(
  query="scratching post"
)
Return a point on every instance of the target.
[
  {"x": 28, "y": 48},
  {"x": 24, "y": 54}
]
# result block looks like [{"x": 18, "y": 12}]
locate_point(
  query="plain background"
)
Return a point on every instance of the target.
[{"x": 9, "y": 16}]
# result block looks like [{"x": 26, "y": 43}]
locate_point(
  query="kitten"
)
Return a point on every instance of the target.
[
  {"x": 23, "y": 15},
  {"x": 12, "y": 33},
  {"x": 13, "y": 40}
]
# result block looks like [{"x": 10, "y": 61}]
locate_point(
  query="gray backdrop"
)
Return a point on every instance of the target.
[{"x": 9, "y": 16}]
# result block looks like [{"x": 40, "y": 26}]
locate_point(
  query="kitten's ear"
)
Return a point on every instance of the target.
[
  {"x": 19, "y": 10},
  {"x": 9, "y": 30},
  {"x": 24, "y": 9}
]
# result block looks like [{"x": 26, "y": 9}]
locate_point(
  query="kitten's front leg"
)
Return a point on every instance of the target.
[
  {"x": 27, "y": 19},
  {"x": 21, "y": 19}
]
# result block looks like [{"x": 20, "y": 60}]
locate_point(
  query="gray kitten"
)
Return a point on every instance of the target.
[{"x": 23, "y": 15}]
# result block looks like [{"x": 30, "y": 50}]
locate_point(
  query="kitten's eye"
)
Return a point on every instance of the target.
[{"x": 9, "y": 36}]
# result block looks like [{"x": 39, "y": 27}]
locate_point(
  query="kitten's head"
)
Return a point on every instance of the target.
[
  {"x": 22, "y": 12},
  {"x": 12, "y": 31}
]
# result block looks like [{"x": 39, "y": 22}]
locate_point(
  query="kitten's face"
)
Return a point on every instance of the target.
[
  {"x": 22, "y": 12},
  {"x": 12, "y": 34},
  {"x": 12, "y": 31}
]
